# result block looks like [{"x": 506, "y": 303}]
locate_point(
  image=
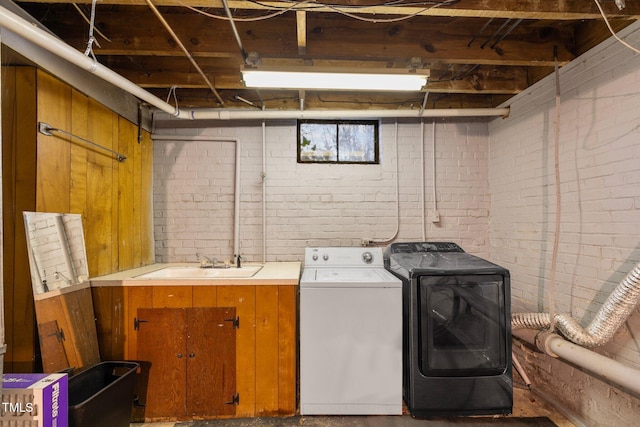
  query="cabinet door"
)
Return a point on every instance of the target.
[
  {"x": 211, "y": 362},
  {"x": 161, "y": 347},
  {"x": 188, "y": 358}
]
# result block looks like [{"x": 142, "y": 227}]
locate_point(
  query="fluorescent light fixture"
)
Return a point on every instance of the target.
[{"x": 379, "y": 80}]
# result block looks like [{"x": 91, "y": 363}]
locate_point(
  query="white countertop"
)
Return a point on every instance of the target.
[{"x": 271, "y": 273}]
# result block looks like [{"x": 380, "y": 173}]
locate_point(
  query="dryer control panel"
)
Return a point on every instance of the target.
[{"x": 423, "y": 247}]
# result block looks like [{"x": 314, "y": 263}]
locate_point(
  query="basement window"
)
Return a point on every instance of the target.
[{"x": 338, "y": 141}]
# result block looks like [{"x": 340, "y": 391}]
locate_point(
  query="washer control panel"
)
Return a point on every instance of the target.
[{"x": 343, "y": 257}]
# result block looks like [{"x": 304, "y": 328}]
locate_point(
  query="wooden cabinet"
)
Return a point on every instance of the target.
[
  {"x": 190, "y": 357},
  {"x": 265, "y": 341}
]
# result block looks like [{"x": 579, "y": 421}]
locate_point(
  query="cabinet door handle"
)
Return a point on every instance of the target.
[
  {"x": 235, "y": 322},
  {"x": 192, "y": 355},
  {"x": 179, "y": 355},
  {"x": 136, "y": 402},
  {"x": 235, "y": 400},
  {"x": 136, "y": 323}
]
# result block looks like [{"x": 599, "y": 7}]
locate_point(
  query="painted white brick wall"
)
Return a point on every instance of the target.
[
  {"x": 315, "y": 204},
  {"x": 600, "y": 227}
]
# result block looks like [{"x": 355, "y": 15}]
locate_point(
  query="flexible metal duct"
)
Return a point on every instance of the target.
[{"x": 613, "y": 313}]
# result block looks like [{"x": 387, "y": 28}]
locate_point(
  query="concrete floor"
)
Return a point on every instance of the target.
[{"x": 526, "y": 404}]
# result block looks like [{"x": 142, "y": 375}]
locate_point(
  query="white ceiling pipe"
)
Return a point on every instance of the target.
[
  {"x": 35, "y": 35},
  {"x": 225, "y": 114},
  {"x": 39, "y": 37}
]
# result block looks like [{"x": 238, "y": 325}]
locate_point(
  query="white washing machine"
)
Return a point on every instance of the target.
[{"x": 350, "y": 334}]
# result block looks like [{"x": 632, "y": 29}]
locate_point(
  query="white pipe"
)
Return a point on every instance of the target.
[
  {"x": 520, "y": 369},
  {"x": 433, "y": 168},
  {"x": 422, "y": 183},
  {"x": 392, "y": 238},
  {"x": 556, "y": 346},
  {"x": 16, "y": 24},
  {"x": 236, "y": 197},
  {"x": 20, "y": 26},
  {"x": 236, "y": 207},
  {"x": 225, "y": 114},
  {"x": 263, "y": 175},
  {"x": 608, "y": 369}
]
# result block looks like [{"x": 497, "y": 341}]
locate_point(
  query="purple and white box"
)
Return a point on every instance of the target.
[{"x": 34, "y": 400}]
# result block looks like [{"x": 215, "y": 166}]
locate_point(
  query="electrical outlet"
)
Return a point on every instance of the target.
[{"x": 435, "y": 217}]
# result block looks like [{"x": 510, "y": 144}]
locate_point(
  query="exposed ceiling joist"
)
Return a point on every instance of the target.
[{"x": 480, "y": 52}]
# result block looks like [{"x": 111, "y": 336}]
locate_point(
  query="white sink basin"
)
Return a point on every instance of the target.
[{"x": 202, "y": 273}]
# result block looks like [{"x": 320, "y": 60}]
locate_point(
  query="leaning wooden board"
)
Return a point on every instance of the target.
[{"x": 72, "y": 310}]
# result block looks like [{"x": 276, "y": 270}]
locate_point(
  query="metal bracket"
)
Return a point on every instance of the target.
[
  {"x": 235, "y": 400},
  {"x": 59, "y": 334},
  {"x": 136, "y": 323},
  {"x": 45, "y": 129},
  {"x": 234, "y": 322}
]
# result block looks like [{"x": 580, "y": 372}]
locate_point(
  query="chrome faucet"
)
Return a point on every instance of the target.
[{"x": 205, "y": 261}]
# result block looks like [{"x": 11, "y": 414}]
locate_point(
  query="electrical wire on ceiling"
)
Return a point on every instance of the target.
[
  {"x": 172, "y": 93},
  {"x": 89, "y": 50},
  {"x": 308, "y": 6},
  {"x": 389, "y": 20},
  {"x": 258, "y": 18},
  {"x": 90, "y": 22},
  {"x": 613, "y": 33},
  {"x": 184, "y": 49}
]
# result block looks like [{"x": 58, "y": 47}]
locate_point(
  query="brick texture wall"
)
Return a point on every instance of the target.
[
  {"x": 315, "y": 204},
  {"x": 600, "y": 211}
]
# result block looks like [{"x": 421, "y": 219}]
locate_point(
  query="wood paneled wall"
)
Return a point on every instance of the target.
[{"x": 60, "y": 174}]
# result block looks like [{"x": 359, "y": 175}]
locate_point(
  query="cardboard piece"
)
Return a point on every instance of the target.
[{"x": 34, "y": 399}]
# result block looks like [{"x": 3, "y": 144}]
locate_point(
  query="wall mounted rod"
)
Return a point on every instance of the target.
[{"x": 48, "y": 130}]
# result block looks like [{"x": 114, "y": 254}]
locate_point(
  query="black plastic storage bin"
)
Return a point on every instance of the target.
[{"x": 102, "y": 395}]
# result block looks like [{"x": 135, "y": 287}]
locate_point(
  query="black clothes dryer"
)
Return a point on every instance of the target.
[{"x": 456, "y": 330}]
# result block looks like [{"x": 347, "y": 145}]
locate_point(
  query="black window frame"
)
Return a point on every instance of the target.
[{"x": 337, "y": 123}]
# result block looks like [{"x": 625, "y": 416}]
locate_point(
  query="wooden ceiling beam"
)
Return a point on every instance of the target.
[
  {"x": 327, "y": 38},
  {"x": 473, "y": 62},
  {"x": 301, "y": 27},
  {"x": 540, "y": 9}
]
